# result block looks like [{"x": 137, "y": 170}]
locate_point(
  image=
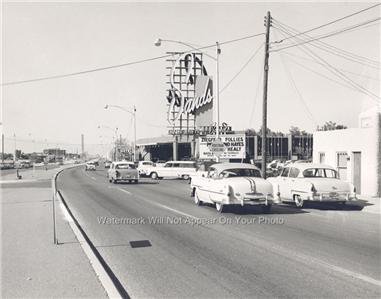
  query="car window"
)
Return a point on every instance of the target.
[
  {"x": 330, "y": 173},
  {"x": 176, "y": 165},
  {"x": 212, "y": 173},
  {"x": 294, "y": 172},
  {"x": 168, "y": 165},
  {"x": 320, "y": 173},
  {"x": 285, "y": 172},
  {"x": 188, "y": 165},
  {"x": 125, "y": 166},
  {"x": 240, "y": 172}
]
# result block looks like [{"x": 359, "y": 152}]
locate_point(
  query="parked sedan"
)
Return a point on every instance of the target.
[
  {"x": 300, "y": 182},
  {"x": 232, "y": 184},
  {"x": 123, "y": 171}
]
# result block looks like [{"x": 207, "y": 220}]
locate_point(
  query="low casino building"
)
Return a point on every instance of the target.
[{"x": 355, "y": 152}]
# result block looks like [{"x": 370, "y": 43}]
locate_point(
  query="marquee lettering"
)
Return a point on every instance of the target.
[{"x": 176, "y": 97}]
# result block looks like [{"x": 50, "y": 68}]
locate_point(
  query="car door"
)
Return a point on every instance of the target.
[
  {"x": 292, "y": 182},
  {"x": 206, "y": 185},
  {"x": 166, "y": 170},
  {"x": 175, "y": 170},
  {"x": 283, "y": 183}
]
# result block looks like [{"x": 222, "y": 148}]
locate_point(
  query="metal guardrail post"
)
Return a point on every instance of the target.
[{"x": 55, "y": 240}]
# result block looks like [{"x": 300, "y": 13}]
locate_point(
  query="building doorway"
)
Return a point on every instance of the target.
[
  {"x": 342, "y": 162},
  {"x": 357, "y": 171}
]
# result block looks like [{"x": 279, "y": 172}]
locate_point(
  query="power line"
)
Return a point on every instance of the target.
[
  {"x": 328, "y": 35},
  {"x": 256, "y": 97},
  {"x": 341, "y": 69},
  {"x": 332, "y": 22},
  {"x": 321, "y": 75},
  {"x": 329, "y": 48},
  {"x": 336, "y": 72},
  {"x": 297, "y": 90},
  {"x": 242, "y": 68},
  {"x": 119, "y": 65}
]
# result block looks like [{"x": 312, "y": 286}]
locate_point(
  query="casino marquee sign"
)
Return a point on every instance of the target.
[{"x": 190, "y": 94}]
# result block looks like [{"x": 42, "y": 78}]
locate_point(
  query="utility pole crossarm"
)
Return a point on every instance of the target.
[{"x": 265, "y": 83}]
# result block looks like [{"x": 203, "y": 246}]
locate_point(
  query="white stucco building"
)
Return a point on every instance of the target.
[{"x": 354, "y": 152}]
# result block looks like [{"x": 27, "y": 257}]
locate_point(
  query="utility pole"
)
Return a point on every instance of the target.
[
  {"x": 135, "y": 135},
  {"x": 265, "y": 81},
  {"x": 2, "y": 148}
]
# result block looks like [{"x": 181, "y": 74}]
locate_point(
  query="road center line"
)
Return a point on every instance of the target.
[
  {"x": 128, "y": 192},
  {"x": 162, "y": 206},
  {"x": 93, "y": 178}
]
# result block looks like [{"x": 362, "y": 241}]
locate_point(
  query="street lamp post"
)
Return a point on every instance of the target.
[
  {"x": 133, "y": 113},
  {"x": 115, "y": 138}
]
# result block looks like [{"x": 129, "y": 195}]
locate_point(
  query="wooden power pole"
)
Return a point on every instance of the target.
[{"x": 264, "y": 108}]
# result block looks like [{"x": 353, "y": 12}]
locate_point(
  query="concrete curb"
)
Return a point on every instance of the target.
[{"x": 109, "y": 281}]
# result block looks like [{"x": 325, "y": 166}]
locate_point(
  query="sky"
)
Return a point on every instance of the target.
[{"x": 42, "y": 39}]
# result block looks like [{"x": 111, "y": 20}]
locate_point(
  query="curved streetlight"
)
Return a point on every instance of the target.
[{"x": 133, "y": 113}]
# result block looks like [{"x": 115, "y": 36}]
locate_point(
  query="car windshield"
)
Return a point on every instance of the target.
[
  {"x": 240, "y": 172},
  {"x": 125, "y": 166},
  {"x": 320, "y": 173}
]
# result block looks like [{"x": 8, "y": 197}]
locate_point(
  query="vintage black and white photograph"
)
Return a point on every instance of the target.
[{"x": 190, "y": 149}]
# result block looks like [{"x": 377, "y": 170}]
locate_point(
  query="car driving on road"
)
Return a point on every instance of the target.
[
  {"x": 123, "y": 171},
  {"x": 173, "y": 169},
  {"x": 90, "y": 166},
  {"x": 144, "y": 167},
  {"x": 232, "y": 184},
  {"x": 300, "y": 182}
]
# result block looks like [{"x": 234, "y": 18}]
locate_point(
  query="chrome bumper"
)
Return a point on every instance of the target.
[{"x": 332, "y": 196}]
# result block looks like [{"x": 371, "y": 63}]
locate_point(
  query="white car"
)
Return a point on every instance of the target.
[
  {"x": 173, "y": 169},
  {"x": 232, "y": 184},
  {"x": 300, "y": 182},
  {"x": 145, "y": 166},
  {"x": 123, "y": 171},
  {"x": 90, "y": 166}
]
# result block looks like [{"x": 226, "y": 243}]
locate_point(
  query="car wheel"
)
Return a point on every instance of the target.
[
  {"x": 110, "y": 180},
  {"x": 197, "y": 200},
  {"x": 219, "y": 207},
  {"x": 154, "y": 176},
  {"x": 266, "y": 209},
  {"x": 299, "y": 202},
  {"x": 114, "y": 181},
  {"x": 185, "y": 177},
  {"x": 136, "y": 181}
]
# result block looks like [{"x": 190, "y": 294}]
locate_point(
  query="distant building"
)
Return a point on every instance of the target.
[
  {"x": 279, "y": 147},
  {"x": 55, "y": 152},
  {"x": 355, "y": 152}
]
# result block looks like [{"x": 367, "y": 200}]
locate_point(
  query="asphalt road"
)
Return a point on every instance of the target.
[{"x": 320, "y": 251}]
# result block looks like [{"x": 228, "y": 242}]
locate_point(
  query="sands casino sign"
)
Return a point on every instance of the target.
[{"x": 190, "y": 93}]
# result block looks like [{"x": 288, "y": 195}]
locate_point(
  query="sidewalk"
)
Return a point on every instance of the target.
[
  {"x": 369, "y": 204},
  {"x": 30, "y": 175},
  {"x": 32, "y": 266}
]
